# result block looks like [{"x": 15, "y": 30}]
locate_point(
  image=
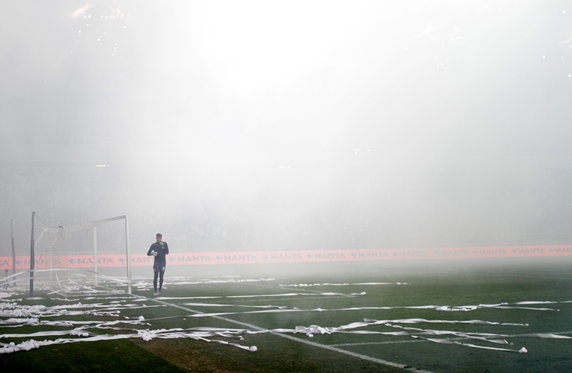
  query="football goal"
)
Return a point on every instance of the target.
[{"x": 59, "y": 250}]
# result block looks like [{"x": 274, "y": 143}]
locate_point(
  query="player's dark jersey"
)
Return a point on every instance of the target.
[{"x": 162, "y": 249}]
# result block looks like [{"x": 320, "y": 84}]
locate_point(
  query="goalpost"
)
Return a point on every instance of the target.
[{"x": 58, "y": 243}]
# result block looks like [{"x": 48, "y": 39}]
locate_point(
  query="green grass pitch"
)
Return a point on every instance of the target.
[{"x": 486, "y": 318}]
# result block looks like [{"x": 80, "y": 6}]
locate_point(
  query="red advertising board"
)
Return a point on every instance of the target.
[{"x": 292, "y": 256}]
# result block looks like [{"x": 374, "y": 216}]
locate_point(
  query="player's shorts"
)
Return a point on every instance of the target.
[{"x": 159, "y": 266}]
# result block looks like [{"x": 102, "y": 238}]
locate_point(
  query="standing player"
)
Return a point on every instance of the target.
[{"x": 158, "y": 249}]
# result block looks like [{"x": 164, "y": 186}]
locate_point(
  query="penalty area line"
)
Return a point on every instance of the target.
[
  {"x": 292, "y": 338},
  {"x": 377, "y": 343}
]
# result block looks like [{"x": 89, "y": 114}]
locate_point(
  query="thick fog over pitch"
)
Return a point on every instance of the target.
[{"x": 239, "y": 125}]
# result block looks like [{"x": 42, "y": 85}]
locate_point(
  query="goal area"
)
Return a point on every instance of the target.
[{"x": 65, "y": 250}]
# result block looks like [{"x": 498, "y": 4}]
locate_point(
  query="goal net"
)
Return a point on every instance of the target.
[{"x": 61, "y": 251}]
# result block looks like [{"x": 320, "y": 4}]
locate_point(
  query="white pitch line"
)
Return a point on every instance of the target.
[
  {"x": 314, "y": 291},
  {"x": 296, "y": 339},
  {"x": 298, "y": 290},
  {"x": 376, "y": 343},
  {"x": 392, "y": 342}
]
